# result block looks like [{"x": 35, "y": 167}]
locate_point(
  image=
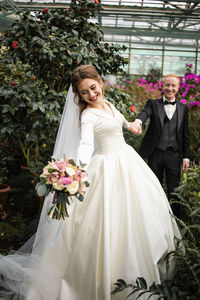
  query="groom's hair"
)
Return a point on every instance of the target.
[{"x": 172, "y": 75}]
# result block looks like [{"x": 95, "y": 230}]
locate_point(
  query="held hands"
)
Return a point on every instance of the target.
[
  {"x": 135, "y": 127},
  {"x": 185, "y": 165}
]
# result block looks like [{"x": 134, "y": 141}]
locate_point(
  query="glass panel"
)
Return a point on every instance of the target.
[
  {"x": 198, "y": 63},
  {"x": 143, "y": 60},
  {"x": 174, "y": 62}
]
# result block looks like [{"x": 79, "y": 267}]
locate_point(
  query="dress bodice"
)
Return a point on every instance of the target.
[{"x": 100, "y": 131}]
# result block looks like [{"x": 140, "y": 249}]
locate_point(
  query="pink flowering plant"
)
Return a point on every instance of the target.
[
  {"x": 65, "y": 179},
  {"x": 140, "y": 90}
]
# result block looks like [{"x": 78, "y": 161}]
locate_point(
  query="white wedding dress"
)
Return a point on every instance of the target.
[{"x": 122, "y": 229}]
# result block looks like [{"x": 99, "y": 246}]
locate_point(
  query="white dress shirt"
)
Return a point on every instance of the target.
[{"x": 169, "y": 109}]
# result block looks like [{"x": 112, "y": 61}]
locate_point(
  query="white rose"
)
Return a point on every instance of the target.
[
  {"x": 73, "y": 188},
  {"x": 70, "y": 171},
  {"x": 84, "y": 179},
  {"x": 57, "y": 186}
]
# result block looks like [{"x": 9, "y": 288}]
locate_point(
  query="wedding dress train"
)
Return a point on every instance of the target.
[{"x": 122, "y": 229}]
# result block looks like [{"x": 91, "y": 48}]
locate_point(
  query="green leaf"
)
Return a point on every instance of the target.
[
  {"x": 80, "y": 197},
  {"x": 72, "y": 162},
  {"x": 79, "y": 58},
  {"x": 54, "y": 28},
  {"x": 35, "y": 38},
  {"x": 41, "y": 190},
  {"x": 87, "y": 183},
  {"x": 75, "y": 32},
  {"x": 69, "y": 60},
  {"x": 36, "y": 124},
  {"x": 42, "y": 109}
]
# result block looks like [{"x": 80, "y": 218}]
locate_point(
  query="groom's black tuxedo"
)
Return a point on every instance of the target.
[
  {"x": 154, "y": 110},
  {"x": 166, "y": 142}
]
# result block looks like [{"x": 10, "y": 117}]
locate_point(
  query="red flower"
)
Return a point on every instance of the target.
[
  {"x": 132, "y": 108},
  {"x": 107, "y": 44},
  {"x": 96, "y": 1},
  {"x": 15, "y": 45},
  {"x": 20, "y": 73},
  {"x": 45, "y": 10},
  {"x": 67, "y": 9},
  {"x": 85, "y": 10},
  {"x": 76, "y": 61},
  {"x": 14, "y": 83}
]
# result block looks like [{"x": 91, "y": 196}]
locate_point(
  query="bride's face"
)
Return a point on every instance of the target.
[{"x": 91, "y": 91}]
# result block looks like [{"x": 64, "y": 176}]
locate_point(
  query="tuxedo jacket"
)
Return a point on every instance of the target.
[{"x": 154, "y": 110}]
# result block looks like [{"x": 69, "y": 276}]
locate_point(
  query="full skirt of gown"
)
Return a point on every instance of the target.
[{"x": 122, "y": 229}]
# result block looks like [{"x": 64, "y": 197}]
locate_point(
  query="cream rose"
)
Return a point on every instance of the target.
[
  {"x": 58, "y": 186},
  {"x": 73, "y": 188},
  {"x": 70, "y": 171}
]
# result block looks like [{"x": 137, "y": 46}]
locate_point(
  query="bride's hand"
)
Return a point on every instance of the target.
[{"x": 135, "y": 128}]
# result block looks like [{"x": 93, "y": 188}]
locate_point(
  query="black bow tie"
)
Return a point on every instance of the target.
[{"x": 168, "y": 102}]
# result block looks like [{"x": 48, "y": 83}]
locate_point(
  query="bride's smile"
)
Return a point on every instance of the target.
[{"x": 91, "y": 92}]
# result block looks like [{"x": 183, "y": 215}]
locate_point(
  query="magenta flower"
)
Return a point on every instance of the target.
[
  {"x": 194, "y": 103},
  {"x": 183, "y": 101}
]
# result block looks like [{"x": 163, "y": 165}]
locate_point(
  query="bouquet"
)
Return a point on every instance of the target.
[{"x": 65, "y": 179}]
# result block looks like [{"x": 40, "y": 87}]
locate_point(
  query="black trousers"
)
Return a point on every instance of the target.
[{"x": 168, "y": 161}]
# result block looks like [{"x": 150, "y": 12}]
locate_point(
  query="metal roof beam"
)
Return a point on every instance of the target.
[
  {"x": 157, "y": 43},
  {"x": 151, "y": 32}
]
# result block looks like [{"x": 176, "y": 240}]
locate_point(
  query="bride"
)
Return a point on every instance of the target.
[{"x": 122, "y": 229}]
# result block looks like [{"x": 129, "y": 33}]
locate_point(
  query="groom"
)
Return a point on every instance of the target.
[{"x": 166, "y": 142}]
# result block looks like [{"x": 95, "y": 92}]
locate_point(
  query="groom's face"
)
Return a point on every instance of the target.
[{"x": 170, "y": 87}]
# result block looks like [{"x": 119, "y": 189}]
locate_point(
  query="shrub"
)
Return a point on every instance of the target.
[{"x": 38, "y": 55}]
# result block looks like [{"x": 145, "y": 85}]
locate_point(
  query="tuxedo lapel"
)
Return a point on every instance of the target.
[
  {"x": 180, "y": 111},
  {"x": 161, "y": 111}
]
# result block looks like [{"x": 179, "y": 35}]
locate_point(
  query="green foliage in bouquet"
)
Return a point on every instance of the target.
[{"x": 186, "y": 283}]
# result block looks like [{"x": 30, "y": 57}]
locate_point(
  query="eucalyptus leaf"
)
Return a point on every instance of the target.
[{"x": 41, "y": 190}]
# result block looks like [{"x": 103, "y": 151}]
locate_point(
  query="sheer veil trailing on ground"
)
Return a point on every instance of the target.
[{"x": 19, "y": 270}]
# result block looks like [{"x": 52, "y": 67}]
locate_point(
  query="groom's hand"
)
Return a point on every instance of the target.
[
  {"x": 135, "y": 127},
  {"x": 185, "y": 166}
]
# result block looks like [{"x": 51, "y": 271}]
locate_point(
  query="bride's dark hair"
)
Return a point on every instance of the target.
[{"x": 79, "y": 74}]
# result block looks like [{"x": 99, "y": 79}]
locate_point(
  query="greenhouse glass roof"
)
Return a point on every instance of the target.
[{"x": 150, "y": 18}]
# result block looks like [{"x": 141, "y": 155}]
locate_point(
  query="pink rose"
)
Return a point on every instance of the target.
[
  {"x": 78, "y": 176},
  {"x": 67, "y": 180},
  {"x": 53, "y": 177},
  {"x": 82, "y": 188},
  {"x": 60, "y": 165}
]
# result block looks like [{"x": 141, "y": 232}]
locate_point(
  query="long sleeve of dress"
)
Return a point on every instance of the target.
[
  {"x": 86, "y": 145},
  {"x": 126, "y": 123}
]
